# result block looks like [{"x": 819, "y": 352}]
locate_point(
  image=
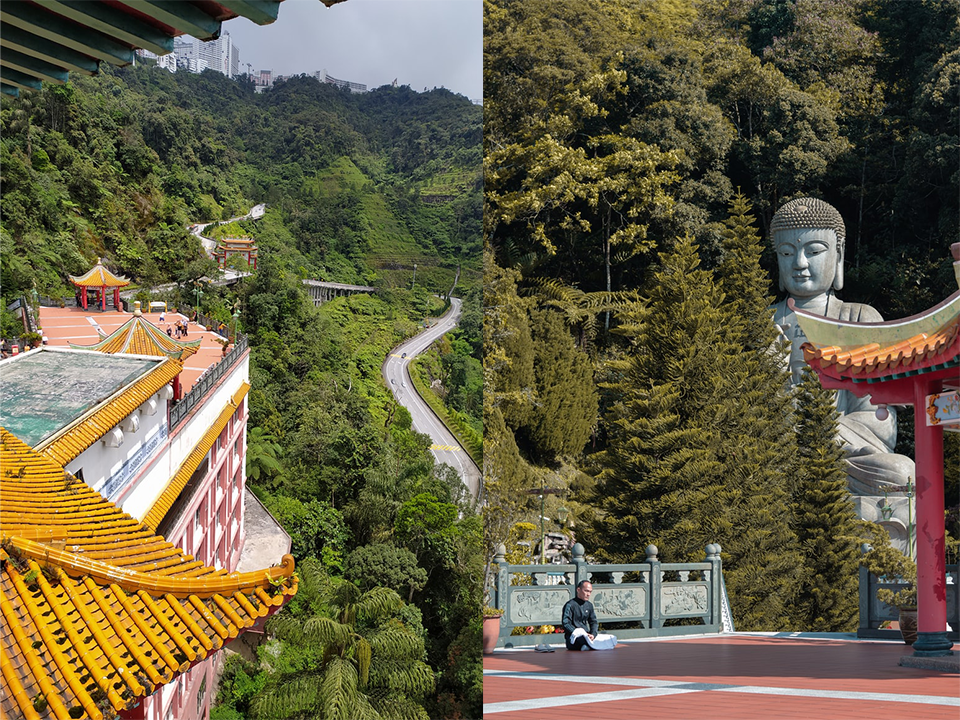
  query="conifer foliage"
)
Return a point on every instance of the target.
[
  {"x": 826, "y": 523},
  {"x": 699, "y": 444}
]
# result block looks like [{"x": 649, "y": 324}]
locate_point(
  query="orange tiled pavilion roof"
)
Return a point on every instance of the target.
[
  {"x": 139, "y": 336},
  {"x": 98, "y": 610},
  {"x": 874, "y": 352},
  {"x": 99, "y": 276}
]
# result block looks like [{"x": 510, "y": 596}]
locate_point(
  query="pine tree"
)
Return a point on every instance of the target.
[
  {"x": 825, "y": 517},
  {"x": 566, "y": 407},
  {"x": 745, "y": 283},
  {"x": 700, "y": 445}
]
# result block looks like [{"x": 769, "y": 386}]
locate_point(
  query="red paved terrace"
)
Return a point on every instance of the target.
[
  {"x": 62, "y": 326},
  {"x": 738, "y": 675}
]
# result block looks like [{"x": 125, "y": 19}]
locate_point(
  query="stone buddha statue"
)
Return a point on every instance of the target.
[{"x": 808, "y": 236}]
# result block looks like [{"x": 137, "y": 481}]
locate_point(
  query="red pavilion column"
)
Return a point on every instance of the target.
[{"x": 931, "y": 563}]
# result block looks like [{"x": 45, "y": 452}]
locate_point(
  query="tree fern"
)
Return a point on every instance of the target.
[{"x": 367, "y": 655}]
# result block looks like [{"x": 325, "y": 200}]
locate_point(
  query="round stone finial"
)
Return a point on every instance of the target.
[
  {"x": 501, "y": 553},
  {"x": 808, "y": 213},
  {"x": 577, "y": 551},
  {"x": 712, "y": 550},
  {"x": 136, "y": 309},
  {"x": 651, "y": 551}
]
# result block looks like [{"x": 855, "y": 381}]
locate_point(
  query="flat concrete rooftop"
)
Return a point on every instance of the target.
[
  {"x": 75, "y": 325},
  {"x": 45, "y": 390}
]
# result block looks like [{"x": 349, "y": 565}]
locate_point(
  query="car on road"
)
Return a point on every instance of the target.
[
  {"x": 404, "y": 355},
  {"x": 404, "y": 383}
]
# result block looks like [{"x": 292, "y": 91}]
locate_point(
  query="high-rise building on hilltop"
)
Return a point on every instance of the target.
[
  {"x": 196, "y": 56},
  {"x": 343, "y": 84}
]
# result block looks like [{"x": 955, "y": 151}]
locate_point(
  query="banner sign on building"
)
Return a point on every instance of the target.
[
  {"x": 117, "y": 482},
  {"x": 943, "y": 408}
]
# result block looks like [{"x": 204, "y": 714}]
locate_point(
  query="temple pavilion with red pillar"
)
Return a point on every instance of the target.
[
  {"x": 914, "y": 361},
  {"x": 99, "y": 278},
  {"x": 244, "y": 247}
]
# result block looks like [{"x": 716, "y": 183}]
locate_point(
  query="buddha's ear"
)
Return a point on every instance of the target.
[
  {"x": 780, "y": 277},
  {"x": 838, "y": 276}
]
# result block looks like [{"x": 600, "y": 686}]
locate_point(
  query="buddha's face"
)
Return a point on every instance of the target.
[{"x": 808, "y": 260}]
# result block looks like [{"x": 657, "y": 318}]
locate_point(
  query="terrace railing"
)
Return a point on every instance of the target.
[
  {"x": 641, "y": 599},
  {"x": 206, "y": 383},
  {"x": 874, "y": 613}
]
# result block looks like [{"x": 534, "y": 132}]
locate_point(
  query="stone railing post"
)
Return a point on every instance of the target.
[
  {"x": 716, "y": 591},
  {"x": 502, "y": 584},
  {"x": 582, "y": 572},
  {"x": 866, "y": 597},
  {"x": 656, "y": 583}
]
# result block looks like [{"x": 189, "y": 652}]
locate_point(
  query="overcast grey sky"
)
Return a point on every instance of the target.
[{"x": 421, "y": 43}]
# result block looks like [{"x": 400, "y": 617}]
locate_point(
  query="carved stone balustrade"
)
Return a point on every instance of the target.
[{"x": 644, "y": 599}]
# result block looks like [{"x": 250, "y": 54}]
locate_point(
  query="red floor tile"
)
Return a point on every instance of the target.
[
  {"x": 63, "y": 326},
  {"x": 782, "y": 664}
]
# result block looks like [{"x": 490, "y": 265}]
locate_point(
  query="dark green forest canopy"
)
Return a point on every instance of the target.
[
  {"x": 634, "y": 153},
  {"x": 117, "y": 165},
  {"x": 856, "y": 102}
]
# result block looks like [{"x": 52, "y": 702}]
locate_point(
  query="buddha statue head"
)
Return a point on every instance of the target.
[{"x": 808, "y": 236}]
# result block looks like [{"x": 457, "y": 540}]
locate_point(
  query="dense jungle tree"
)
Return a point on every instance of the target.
[{"x": 358, "y": 664}]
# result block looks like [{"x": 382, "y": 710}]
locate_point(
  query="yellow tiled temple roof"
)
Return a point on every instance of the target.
[
  {"x": 99, "y": 276},
  {"x": 86, "y": 430},
  {"x": 155, "y": 515},
  {"x": 97, "y": 610},
  {"x": 139, "y": 336}
]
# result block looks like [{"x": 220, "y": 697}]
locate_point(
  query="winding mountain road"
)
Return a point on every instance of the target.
[{"x": 445, "y": 447}]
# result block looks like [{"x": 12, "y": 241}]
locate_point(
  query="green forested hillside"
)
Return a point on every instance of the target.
[
  {"x": 117, "y": 165},
  {"x": 362, "y": 189},
  {"x": 635, "y": 151}
]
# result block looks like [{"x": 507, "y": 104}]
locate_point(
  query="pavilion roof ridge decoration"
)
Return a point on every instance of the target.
[
  {"x": 139, "y": 336},
  {"x": 98, "y": 611},
  {"x": 99, "y": 276},
  {"x": 83, "y": 432}
]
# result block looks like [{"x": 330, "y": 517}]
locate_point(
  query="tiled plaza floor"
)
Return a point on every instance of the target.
[
  {"x": 737, "y": 675},
  {"x": 63, "y": 326}
]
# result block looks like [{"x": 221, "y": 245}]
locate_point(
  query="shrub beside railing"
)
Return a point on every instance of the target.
[{"x": 874, "y": 613}]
